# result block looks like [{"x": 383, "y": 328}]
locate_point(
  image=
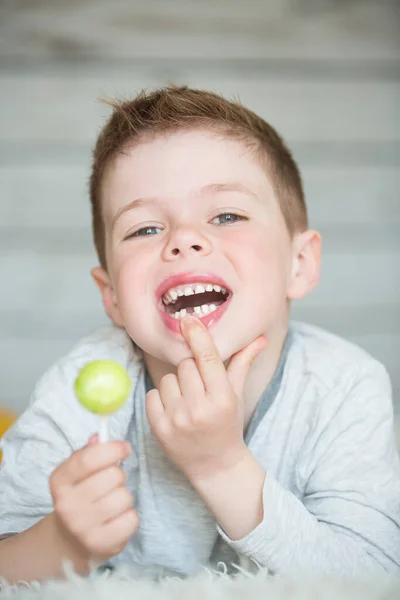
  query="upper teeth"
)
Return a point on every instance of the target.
[{"x": 190, "y": 289}]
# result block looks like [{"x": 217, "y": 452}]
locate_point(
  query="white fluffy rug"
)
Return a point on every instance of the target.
[{"x": 119, "y": 585}]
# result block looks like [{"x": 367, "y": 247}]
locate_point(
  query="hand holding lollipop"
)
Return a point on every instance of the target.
[
  {"x": 102, "y": 386},
  {"x": 94, "y": 516}
]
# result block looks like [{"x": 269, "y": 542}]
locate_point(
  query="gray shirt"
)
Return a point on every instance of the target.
[{"x": 323, "y": 431}]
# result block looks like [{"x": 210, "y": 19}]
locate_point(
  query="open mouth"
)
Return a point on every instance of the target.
[{"x": 198, "y": 298}]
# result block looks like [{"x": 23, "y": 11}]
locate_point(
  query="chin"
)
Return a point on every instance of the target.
[{"x": 230, "y": 344}]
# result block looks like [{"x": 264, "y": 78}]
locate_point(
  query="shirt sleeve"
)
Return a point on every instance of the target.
[
  {"x": 42, "y": 437},
  {"x": 348, "y": 521}
]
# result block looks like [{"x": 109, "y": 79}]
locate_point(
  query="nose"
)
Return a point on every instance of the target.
[{"x": 186, "y": 242}]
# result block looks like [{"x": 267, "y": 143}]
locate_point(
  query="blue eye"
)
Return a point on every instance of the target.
[
  {"x": 233, "y": 218},
  {"x": 139, "y": 232},
  {"x": 152, "y": 229}
]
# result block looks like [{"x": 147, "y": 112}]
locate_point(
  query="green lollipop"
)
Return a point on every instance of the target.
[{"x": 102, "y": 386}]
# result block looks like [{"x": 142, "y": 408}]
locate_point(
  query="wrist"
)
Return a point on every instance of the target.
[
  {"x": 222, "y": 466},
  {"x": 219, "y": 465},
  {"x": 234, "y": 495},
  {"x": 67, "y": 546}
]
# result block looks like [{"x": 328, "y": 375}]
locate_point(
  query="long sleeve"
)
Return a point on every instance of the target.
[
  {"x": 32, "y": 449},
  {"x": 348, "y": 520},
  {"x": 52, "y": 427}
]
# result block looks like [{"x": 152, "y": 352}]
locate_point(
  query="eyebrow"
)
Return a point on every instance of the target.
[{"x": 211, "y": 188}]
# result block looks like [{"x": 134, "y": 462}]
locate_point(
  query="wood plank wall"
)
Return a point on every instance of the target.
[{"x": 325, "y": 73}]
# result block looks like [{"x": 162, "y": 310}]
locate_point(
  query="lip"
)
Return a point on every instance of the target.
[{"x": 191, "y": 277}]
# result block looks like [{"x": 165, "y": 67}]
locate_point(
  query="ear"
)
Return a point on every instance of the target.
[
  {"x": 306, "y": 263},
  {"x": 103, "y": 282}
]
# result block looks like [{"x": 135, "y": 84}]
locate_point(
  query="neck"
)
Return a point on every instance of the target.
[{"x": 260, "y": 373}]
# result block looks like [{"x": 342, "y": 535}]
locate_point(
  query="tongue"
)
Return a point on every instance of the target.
[{"x": 196, "y": 300}]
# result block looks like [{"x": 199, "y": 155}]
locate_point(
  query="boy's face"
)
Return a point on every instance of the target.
[{"x": 186, "y": 182}]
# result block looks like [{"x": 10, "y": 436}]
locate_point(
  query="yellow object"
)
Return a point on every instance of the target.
[{"x": 7, "y": 418}]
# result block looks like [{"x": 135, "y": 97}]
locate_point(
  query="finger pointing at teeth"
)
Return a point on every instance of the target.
[
  {"x": 197, "y": 414},
  {"x": 205, "y": 353},
  {"x": 218, "y": 381}
]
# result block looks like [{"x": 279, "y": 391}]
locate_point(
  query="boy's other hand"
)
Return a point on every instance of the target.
[
  {"x": 197, "y": 415},
  {"x": 92, "y": 506}
]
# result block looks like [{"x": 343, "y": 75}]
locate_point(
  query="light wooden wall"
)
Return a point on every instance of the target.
[{"x": 325, "y": 73}]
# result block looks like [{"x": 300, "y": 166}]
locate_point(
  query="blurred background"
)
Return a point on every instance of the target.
[{"x": 326, "y": 74}]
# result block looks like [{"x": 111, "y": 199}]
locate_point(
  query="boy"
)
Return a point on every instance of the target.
[{"x": 253, "y": 438}]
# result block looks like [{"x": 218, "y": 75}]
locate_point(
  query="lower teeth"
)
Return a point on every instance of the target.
[{"x": 199, "y": 311}]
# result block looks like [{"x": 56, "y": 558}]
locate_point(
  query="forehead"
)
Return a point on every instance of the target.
[{"x": 179, "y": 164}]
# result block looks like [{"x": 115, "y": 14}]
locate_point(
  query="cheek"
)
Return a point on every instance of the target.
[
  {"x": 262, "y": 264},
  {"x": 261, "y": 256},
  {"x": 131, "y": 277}
]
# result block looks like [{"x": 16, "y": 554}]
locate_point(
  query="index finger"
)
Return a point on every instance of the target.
[
  {"x": 89, "y": 460},
  {"x": 206, "y": 355}
]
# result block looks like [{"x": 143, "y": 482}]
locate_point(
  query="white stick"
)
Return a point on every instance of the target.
[{"x": 103, "y": 430}]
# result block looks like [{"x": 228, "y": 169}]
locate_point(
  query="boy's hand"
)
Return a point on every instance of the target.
[
  {"x": 197, "y": 415},
  {"x": 93, "y": 508}
]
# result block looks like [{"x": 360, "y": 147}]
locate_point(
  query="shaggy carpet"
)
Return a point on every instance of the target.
[{"x": 120, "y": 585}]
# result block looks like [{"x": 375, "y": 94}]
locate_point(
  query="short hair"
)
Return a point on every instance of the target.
[{"x": 172, "y": 109}]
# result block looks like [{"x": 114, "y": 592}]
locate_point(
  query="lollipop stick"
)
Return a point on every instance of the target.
[{"x": 103, "y": 430}]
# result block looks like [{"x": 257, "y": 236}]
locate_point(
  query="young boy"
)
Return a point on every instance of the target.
[{"x": 252, "y": 437}]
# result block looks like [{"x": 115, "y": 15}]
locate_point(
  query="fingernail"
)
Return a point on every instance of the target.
[
  {"x": 189, "y": 319},
  {"x": 94, "y": 439}
]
